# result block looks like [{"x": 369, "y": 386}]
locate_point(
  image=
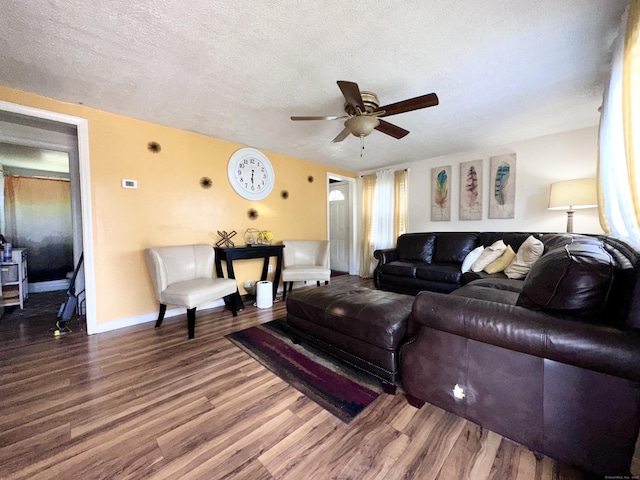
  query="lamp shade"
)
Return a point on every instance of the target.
[{"x": 573, "y": 194}]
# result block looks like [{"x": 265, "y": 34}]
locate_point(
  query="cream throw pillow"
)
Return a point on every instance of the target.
[
  {"x": 489, "y": 255},
  {"x": 501, "y": 263},
  {"x": 528, "y": 253},
  {"x": 471, "y": 257}
]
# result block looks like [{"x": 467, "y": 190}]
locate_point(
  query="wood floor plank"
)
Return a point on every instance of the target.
[
  {"x": 293, "y": 450},
  {"x": 142, "y": 403},
  {"x": 473, "y": 454}
]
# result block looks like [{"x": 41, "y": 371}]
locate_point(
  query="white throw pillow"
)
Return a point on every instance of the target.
[
  {"x": 528, "y": 253},
  {"x": 472, "y": 256},
  {"x": 489, "y": 254}
]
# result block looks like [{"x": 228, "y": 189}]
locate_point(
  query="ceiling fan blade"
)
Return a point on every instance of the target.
[
  {"x": 391, "y": 129},
  {"x": 342, "y": 135},
  {"x": 351, "y": 93},
  {"x": 319, "y": 118},
  {"x": 424, "y": 101}
]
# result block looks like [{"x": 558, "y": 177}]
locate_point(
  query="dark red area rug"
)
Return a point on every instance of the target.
[{"x": 336, "y": 386}]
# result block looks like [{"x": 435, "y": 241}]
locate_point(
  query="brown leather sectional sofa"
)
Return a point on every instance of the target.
[{"x": 551, "y": 361}]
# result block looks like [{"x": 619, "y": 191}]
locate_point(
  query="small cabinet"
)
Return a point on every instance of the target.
[{"x": 15, "y": 282}]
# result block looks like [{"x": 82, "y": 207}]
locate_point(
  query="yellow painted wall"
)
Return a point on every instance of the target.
[{"x": 169, "y": 206}]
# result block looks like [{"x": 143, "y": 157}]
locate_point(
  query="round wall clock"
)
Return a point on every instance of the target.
[{"x": 251, "y": 174}]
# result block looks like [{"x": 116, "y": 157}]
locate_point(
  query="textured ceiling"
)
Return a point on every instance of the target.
[{"x": 504, "y": 70}]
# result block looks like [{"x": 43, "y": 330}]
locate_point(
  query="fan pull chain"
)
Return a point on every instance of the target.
[{"x": 361, "y": 145}]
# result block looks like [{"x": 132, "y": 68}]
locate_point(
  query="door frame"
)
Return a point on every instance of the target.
[
  {"x": 352, "y": 213},
  {"x": 82, "y": 132}
]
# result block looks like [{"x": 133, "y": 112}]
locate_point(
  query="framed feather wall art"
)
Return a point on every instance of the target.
[
  {"x": 502, "y": 197},
  {"x": 471, "y": 177},
  {"x": 441, "y": 193}
]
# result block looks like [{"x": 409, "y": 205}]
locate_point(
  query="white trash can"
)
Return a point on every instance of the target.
[{"x": 264, "y": 294}]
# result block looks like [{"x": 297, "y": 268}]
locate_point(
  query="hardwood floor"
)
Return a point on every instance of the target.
[{"x": 142, "y": 403}]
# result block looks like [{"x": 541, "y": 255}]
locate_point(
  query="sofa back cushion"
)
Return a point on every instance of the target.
[
  {"x": 453, "y": 247},
  {"x": 575, "y": 279},
  {"x": 515, "y": 239},
  {"x": 416, "y": 247}
]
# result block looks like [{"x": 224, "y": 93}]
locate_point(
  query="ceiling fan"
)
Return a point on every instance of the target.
[{"x": 364, "y": 111}]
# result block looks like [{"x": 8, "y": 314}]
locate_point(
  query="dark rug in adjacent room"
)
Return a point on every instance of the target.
[{"x": 336, "y": 386}]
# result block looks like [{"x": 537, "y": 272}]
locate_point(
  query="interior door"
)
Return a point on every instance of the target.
[{"x": 339, "y": 225}]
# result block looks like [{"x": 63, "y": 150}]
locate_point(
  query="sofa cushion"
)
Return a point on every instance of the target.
[
  {"x": 574, "y": 279},
  {"x": 502, "y": 262},
  {"x": 528, "y": 253},
  {"x": 399, "y": 269},
  {"x": 491, "y": 253},
  {"x": 416, "y": 247},
  {"x": 440, "y": 273},
  {"x": 499, "y": 284},
  {"x": 479, "y": 292},
  {"x": 472, "y": 257},
  {"x": 453, "y": 247}
]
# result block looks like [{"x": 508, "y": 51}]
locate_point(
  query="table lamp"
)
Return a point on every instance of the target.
[{"x": 570, "y": 195}]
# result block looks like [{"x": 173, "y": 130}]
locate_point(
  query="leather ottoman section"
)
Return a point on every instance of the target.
[
  {"x": 373, "y": 316},
  {"x": 362, "y": 326},
  {"x": 380, "y": 362}
]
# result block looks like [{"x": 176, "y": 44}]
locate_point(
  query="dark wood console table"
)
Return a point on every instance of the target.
[{"x": 245, "y": 253}]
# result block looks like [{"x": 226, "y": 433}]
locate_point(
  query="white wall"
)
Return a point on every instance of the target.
[{"x": 540, "y": 162}]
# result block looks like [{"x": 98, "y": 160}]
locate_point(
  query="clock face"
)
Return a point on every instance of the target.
[{"x": 251, "y": 174}]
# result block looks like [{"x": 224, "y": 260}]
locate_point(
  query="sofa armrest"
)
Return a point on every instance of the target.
[
  {"x": 600, "y": 348},
  {"x": 386, "y": 255},
  {"x": 383, "y": 256}
]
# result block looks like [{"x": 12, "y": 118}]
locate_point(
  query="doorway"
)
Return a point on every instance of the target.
[
  {"x": 26, "y": 126},
  {"x": 340, "y": 223}
]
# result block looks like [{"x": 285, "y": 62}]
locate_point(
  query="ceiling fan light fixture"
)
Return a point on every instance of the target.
[{"x": 362, "y": 125}]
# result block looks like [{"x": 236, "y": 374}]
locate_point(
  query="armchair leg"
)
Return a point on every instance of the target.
[
  {"x": 191, "y": 321},
  {"x": 234, "y": 304},
  {"x": 163, "y": 310},
  {"x": 318, "y": 283},
  {"x": 284, "y": 289}
]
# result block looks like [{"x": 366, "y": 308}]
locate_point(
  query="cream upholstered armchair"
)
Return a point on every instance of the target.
[
  {"x": 305, "y": 260},
  {"x": 183, "y": 276}
]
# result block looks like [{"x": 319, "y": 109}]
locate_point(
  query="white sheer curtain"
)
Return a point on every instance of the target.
[
  {"x": 383, "y": 225},
  {"x": 384, "y": 214},
  {"x": 618, "y": 179}
]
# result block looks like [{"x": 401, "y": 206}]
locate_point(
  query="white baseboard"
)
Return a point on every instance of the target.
[{"x": 149, "y": 317}]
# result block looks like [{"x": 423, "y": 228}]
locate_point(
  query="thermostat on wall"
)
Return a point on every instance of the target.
[{"x": 126, "y": 183}]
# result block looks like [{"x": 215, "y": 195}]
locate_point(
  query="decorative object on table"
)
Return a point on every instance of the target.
[
  {"x": 154, "y": 147},
  {"x": 265, "y": 237},
  {"x": 571, "y": 195},
  {"x": 205, "y": 182},
  {"x": 336, "y": 386},
  {"x": 502, "y": 198},
  {"x": 251, "y": 174},
  {"x": 284, "y": 194},
  {"x": 440, "y": 193},
  {"x": 226, "y": 238},
  {"x": 471, "y": 190},
  {"x": 252, "y": 213},
  {"x": 251, "y": 236}
]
